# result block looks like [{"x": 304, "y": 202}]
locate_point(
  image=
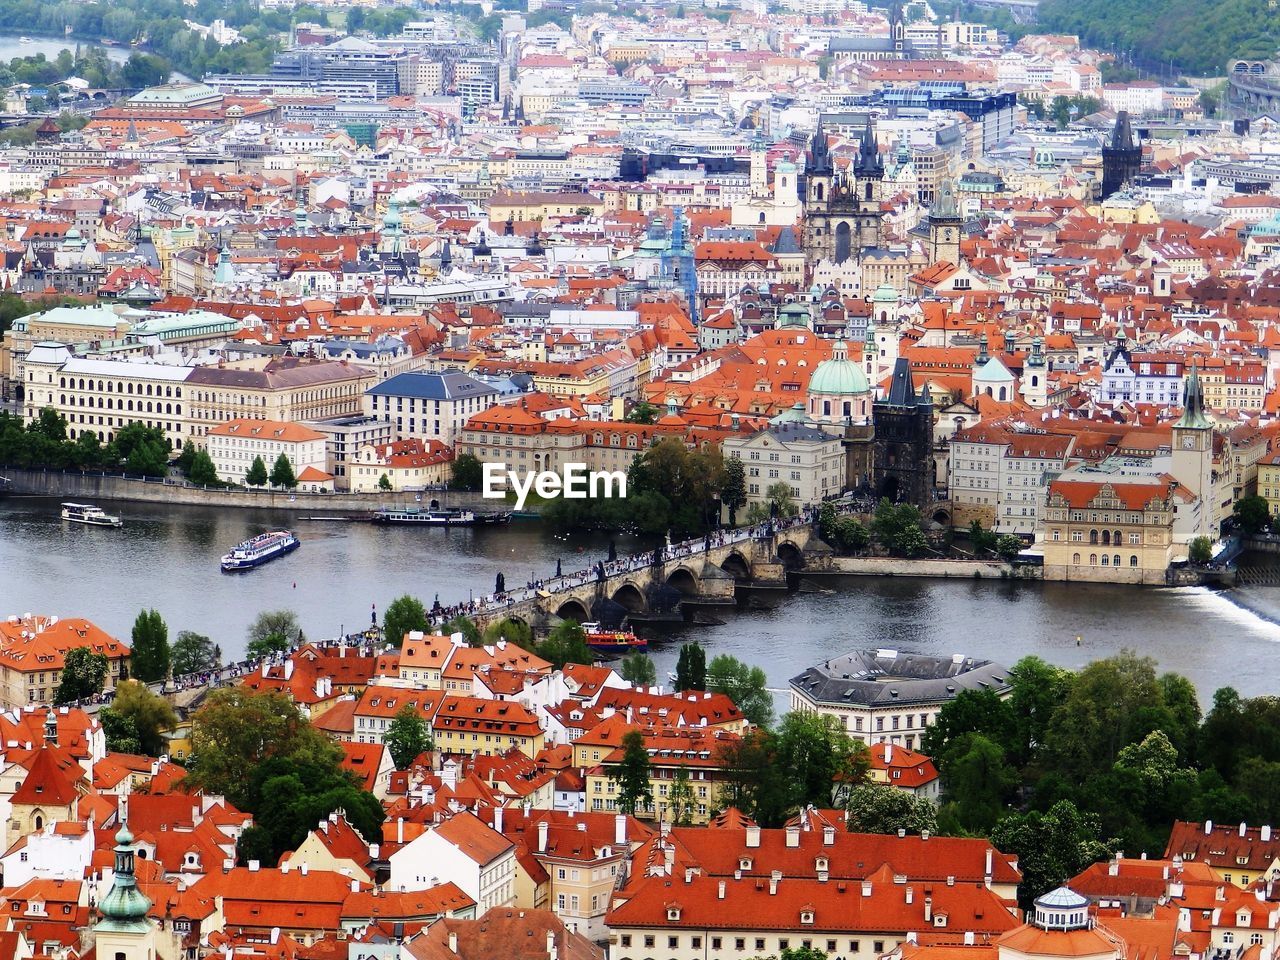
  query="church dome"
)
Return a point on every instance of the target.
[
  {"x": 839, "y": 376},
  {"x": 1061, "y": 909}
]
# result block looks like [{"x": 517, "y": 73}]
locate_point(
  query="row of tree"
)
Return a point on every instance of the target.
[{"x": 136, "y": 449}]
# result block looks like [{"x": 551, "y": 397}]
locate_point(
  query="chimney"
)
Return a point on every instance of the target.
[
  {"x": 1113, "y": 868},
  {"x": 355, "y": 886},
  {"x": 987, "y": 871},
  {"x": 453, "y": 942},
  {"x": 968, "y": 938},
  {"x": 620, "y": 830},
  {"x": 828, "y": 836},
  {"x": 497, "y": 819},
  {"x": 924, "y": 834},
  {"x": 542, "y": 836},
  {"x": 1208, "y": 827},
  {"x": 688, "y": 874},
  {"x": 720, "y": 890},
  {"x": 399, "y": 829},
  {"x": 773, "y": 886},
  {"x": 1243, "y": 828},
  {"x": 1266, "y": 834},
  {"x": 303, "y": 869},
  {"x": 253, "y": 866},
  {"x": 866, "y": 888},
  {"x": 888, "y": 753},
  {"x": 928, "y": 909},
  {"x": 793, "y": 836},
  {"x": 753, "y": 835},
  {"x": 951, "y": 881},
  {"x": 669, "y": 857},
  {"x": 911, "y": 894}
]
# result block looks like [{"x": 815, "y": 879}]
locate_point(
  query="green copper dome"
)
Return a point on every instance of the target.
[
  {"x": 794, "y": 315},
  {"x": 839, "y": 376},
  {"x": 124, "y": 907}
]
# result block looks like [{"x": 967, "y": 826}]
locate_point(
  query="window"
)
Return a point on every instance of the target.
[
  {"x": 673, "y": 942},
  {"x": 1228, "y": 937},
  {"x": 648, "y": 940}
]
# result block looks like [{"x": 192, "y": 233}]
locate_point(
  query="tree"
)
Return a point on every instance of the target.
[
  {"x": 468, "y": 473},
  {"x": 465, "y": 626},
  {"x": 512, "y": 631},
  {"x": 1037, "y": 689},
  {"x": 982, "y": 541},
  {"x": 257, "y": 473},
  {"x": 150, "y": 659},
  {"x": 1112, "y": 703},
  {"x": 733, "y": 489},
  {"x": 971, "y": 711},
  {"x": 1200, "y": 552},
  {"x": 403, "y": 615},
  {"x": 643, "y": 412},
  {"x": 142, "y": 450},
  {"x": 238, "y": 729},
  {"x": 194, "y": 653},
  {"x": 1252, "y": 513},
  {"x": 145, "y": 70},
  {"x": 407, "y": 736},
  {"x": 1051, "y": 847},
  {"x": 819, "y": 761},
  {"x": 384, "y": 483},
  {"x": 202, "y": 470},
  {"x": 632, "y": 774},
  {"x": 566, "y": 643},
  {"x": 1008, "y": 547},
  {"x": 877, "y": 808},
  {"x": 253, "y": 846},
  {"x": 272, "y": 631},
  {"x": 84, "y": 673},
  {"x": 751, "y": 780},
  {"x": 148, "y": 714},
  {"x": 638, "y": 670},
  {"x": 744, "y": 685},
  {"x": 897, "y": 528},
  {"x": 691, "y": 668},
  {"x": 282, "y": 473},
  {"x": 977, "y": 781},
  {"x": 781, "y": 502},
  {"x": 120, "y": 732},
  {"x": 681, "y": 802}
]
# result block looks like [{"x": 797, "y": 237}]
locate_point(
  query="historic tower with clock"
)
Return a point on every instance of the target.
[
  {"x": 1193, "y": 453},
  {"x": 944, "y": 225}
]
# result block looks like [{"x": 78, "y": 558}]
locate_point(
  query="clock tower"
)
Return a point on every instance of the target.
[{"x": 1193, "y": 454}]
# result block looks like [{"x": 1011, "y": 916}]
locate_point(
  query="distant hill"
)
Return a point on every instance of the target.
[{"x": 1199, "y": 36}]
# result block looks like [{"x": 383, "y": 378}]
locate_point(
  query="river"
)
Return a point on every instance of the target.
[
  {"x": 167, "y": 558},
  {"x": 11, "y": 46}
]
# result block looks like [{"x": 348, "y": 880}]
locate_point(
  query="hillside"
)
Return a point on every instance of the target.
[{"x": 1198, "y": 36}]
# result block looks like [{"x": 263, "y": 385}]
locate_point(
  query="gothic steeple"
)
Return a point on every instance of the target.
[
  {"x": 1193, "y": 415},
  {"x": 869, "y": 162},
  {"x": 819, "y": 155}
]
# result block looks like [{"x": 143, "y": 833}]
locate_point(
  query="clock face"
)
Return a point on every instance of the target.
[{"x": 1188, "y": 442}]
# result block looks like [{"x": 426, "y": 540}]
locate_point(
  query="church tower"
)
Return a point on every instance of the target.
[
  {"x": 1034, "y": 386},
  {"x": 1122, "y": 158},
  {"x": 944, "y": 224},
  {"x": 124, "y": 932},
  {"x": 868, "y": 173},
  {"x": 1193, "y": 453},
  {"x": 759, "y": 168}
]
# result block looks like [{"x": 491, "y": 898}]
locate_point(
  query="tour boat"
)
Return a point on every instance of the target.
[
  {"x": 438, "y": 518},
  {"x": 613, "y": 641},
  {"x": 259, "y": 550},
  {"x": 25, "y": 40},
  {"x": 88, "y": 513}
]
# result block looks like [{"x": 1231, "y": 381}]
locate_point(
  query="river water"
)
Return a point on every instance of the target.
[
  {"x": 11, "y": 46},
  {"x": 167, "y": 558}
]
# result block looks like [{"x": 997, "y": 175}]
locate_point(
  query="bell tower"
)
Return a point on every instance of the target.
[
  {"x": 945, "y": 224},
  {"x": 1193, "y": 453}
]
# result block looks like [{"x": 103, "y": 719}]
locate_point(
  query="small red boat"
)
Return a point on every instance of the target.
[{"x": 613, "y": 641}]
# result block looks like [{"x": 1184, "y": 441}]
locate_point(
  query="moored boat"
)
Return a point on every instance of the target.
[
  {"x": 415, "y": 516},
  {"x": 261, "y": 549},
  {"x": 89, "y": 514},
  {"x": 613, "y": 641}
]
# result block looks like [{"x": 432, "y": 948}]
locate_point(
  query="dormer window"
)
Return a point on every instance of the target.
[
  {"x": 744, "y": 863},
  {"x": 1242, "y": 919},
  {"x": 673, "y": 913},
  {"x": 820, "y": 863},
  {"x": 939, "y": 919},
  {"x": 806, "y": 916}
]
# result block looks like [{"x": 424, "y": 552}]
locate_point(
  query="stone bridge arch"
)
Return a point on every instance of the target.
[
  {"x": 573, "y": 609},
  {"x": 684, "y": 580},
  {"x": 790, "y": 555},
  {"x": 630, "y": 596},
  {"x": 737, "y": 565}
]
